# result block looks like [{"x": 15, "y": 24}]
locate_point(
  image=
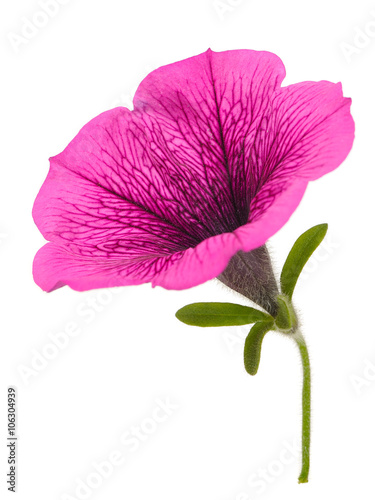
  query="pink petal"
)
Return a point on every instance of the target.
[
  {"x": 209, "y": 109},
  {"x": 55, "y": 267},
  {"x": 307, "y": 132},
  {"x": 103, "y": 199}
]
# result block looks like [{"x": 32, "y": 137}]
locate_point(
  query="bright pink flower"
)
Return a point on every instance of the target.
[{"x": 214, "y": 159}]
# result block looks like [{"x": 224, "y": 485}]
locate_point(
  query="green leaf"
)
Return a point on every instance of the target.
[
  {"x": 253, "y": 345},
  {"x": 219, "y": 314},
  {"x": 302, "y": 250}
]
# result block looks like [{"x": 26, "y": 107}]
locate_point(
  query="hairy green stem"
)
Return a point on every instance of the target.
[{"x": 306, "y": 408}]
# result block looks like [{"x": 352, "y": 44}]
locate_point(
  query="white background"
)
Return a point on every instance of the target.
[{"x": 129, "y": 351}]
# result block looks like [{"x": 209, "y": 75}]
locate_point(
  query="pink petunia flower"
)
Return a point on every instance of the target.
[{"x": 213, "y": 160}]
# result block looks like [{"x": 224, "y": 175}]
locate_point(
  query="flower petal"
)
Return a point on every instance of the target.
[
  {"x": 208, "y": 109},
  {"x": 103, "y": 198},
  {"x": 55, "y": 267},
  {"x": 307, "y": 132}
]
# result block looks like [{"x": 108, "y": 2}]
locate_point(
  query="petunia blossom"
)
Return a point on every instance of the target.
[{"x": 213, "y": 160}]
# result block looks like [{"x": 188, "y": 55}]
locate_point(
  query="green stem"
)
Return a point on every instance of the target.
[{"x": 306, "y": 408}]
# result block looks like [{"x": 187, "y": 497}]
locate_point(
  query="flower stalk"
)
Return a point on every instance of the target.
[{"x": 306, "y": 408}]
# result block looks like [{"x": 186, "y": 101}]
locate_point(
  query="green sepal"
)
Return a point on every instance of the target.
[
  {"x": 300, "y": 253},
  {"x": 286, "y": 319},
  {"x": 219, "y": 314},
  {"x": 253, "y": 345}
]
